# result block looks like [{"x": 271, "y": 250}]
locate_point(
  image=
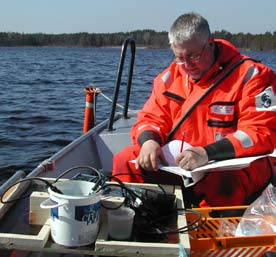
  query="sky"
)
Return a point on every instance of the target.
[{"x": 109, "y": 16}]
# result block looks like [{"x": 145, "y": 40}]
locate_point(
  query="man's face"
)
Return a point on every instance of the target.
[{"x": 195, "y": 57}]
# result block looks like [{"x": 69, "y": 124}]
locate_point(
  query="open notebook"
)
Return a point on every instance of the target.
[{"x": 173, "y": 148}]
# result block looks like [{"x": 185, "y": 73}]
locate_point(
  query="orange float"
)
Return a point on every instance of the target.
[{"x": 90, "y": 106}]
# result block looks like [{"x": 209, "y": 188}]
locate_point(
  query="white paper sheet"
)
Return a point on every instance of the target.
[{"x": 173, "y": 148}]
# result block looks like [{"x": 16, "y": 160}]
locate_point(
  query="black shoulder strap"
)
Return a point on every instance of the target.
[{"x": 211, "y": 88}]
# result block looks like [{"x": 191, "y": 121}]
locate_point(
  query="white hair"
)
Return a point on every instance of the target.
[{"x": 188, "y": 26}]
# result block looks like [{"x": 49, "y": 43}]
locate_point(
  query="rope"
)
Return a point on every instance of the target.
[{"x": 106, "y": 97}]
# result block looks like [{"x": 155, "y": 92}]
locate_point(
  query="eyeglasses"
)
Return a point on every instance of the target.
[{"x": 195, "y": 58}]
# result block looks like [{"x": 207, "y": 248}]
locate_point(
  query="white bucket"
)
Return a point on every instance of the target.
[{"x": 75, "y": 214}]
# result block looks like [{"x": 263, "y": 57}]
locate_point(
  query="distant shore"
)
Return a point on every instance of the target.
[{"x": 143, "y": 38}]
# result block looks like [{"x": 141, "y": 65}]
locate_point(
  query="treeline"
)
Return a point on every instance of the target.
[{"x": 143, "y": 38}]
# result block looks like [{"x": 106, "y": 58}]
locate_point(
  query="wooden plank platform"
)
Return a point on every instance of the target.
[
  {"x": 102, "y": 246},
  {"x": 19, "y": 240}
]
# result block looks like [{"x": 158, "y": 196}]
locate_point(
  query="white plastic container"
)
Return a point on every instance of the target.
[
  {"x": 120, "y": 222},
  {"x": 75, "y": 214}
]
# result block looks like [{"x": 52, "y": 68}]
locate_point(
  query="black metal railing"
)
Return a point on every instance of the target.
[{"x": 125, "y": 44}]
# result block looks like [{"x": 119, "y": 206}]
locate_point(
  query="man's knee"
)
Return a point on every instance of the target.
[
  {"x": 125, "y": 170},
  {"x": 222, "y": 189}
]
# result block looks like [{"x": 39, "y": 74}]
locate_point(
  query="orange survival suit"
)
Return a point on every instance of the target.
[{"x": 235, "y": 119}]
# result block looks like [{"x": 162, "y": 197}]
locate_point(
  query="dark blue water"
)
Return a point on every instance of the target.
[{"x": 42, "y": 95}]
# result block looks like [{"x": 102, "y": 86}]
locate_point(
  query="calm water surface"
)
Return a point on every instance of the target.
[{"x": 42, "y": 95}]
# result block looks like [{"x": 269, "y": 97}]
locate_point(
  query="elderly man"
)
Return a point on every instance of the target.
[{"x": 225, "y": 105}]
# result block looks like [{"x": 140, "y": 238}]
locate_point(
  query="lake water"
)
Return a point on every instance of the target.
[{"x": 42, "y": 95}]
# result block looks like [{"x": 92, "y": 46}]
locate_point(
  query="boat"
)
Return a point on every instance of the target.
[{"x": 94, "y": 148}]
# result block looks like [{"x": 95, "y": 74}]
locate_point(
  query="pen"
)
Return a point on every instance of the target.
[{"x": 182, "y": 143}]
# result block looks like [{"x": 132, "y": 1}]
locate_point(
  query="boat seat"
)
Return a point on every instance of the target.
[{"x": 111, "y": 142}]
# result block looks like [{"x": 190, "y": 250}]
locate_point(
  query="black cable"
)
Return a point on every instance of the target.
[
  {"x": 99, "y": 174},
  {"x": 146, "y": 208},
  {"x": 130, "y": 196},
  {"x": 154, "y": 227},
  {"x": 153, "y": 219},
  {"x": 100, "y": 179},
  {"x": 149, "y": 178},
  {"x": 125, "y": 191},
  {"x": 55, "y": 189}
]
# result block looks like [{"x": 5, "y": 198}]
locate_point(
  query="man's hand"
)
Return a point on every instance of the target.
[
  {"x": 192, "y": 158},
  {"x": 149, "y": 156}
]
